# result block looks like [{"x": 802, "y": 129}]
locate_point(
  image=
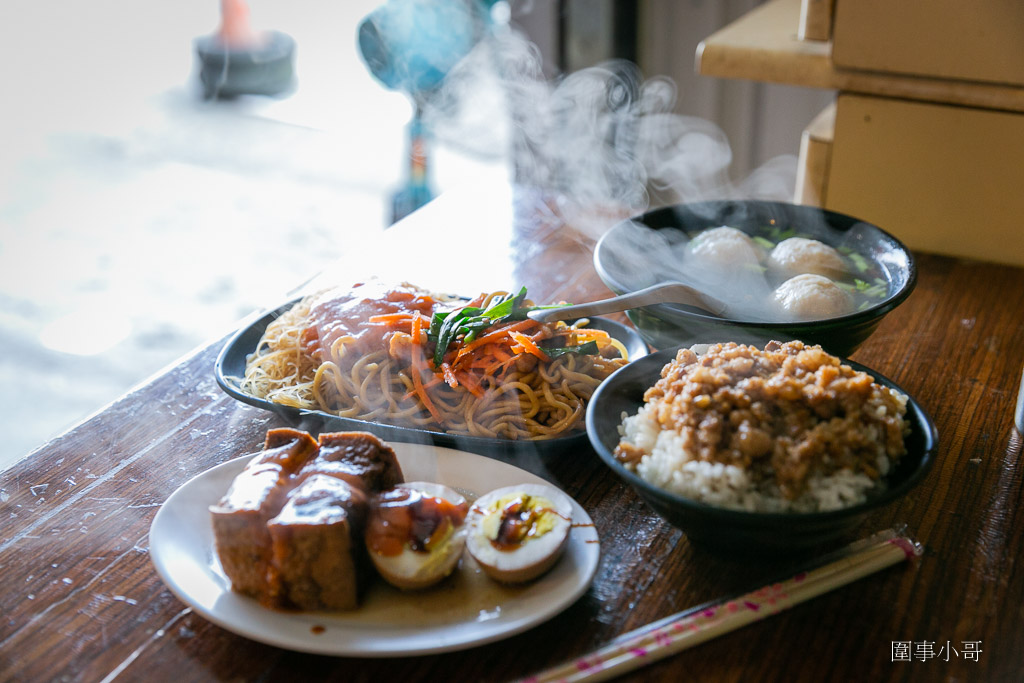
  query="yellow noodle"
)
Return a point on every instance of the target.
[{"x": 544, "y": 402}]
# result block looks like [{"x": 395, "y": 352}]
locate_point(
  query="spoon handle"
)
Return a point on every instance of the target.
[{"x": 657, "y": 294}]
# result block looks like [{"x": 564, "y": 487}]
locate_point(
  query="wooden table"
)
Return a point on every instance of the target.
[{"x": 82, "y": 601}]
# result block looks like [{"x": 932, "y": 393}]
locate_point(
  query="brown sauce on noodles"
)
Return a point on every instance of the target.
[
  {"x": 331, "y": 352},
  {"x": 346, "y": 312}
]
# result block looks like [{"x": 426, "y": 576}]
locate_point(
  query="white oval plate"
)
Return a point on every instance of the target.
[{"x": 465, "y": 610}]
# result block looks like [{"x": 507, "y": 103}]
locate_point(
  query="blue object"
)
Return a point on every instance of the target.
[
  {"x": 417, "y": 191},
  {"x": 410, "y": 46}
]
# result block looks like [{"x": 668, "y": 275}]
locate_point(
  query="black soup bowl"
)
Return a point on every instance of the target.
[
  {"x": 652, "y": 248},
  {"x": 737, "y": 532}
]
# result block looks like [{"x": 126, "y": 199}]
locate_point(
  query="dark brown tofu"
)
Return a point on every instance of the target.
[
  {"x": 289, "y": 531},
  {"x": 256, "y": 495},
  {"x": 359, "y": 458},
  {"x": 318, "y": 550}
]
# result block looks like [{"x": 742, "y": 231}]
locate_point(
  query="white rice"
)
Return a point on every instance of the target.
[{"x": 666, "y": 463}]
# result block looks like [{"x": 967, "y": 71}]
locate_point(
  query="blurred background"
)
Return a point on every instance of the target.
[{"x": 139, "y": 220}]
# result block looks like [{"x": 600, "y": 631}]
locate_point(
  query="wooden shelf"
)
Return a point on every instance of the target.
[{"x": 763, "y": 45}]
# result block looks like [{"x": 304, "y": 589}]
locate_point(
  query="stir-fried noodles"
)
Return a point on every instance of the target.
[{"x": 402, "y": 356}]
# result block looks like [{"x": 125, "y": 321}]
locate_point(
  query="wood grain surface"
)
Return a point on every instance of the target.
[{"x": 82, "y": 601}]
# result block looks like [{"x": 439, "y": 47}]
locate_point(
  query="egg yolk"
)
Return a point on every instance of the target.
[
  {"x": 514, "y": 519},
  {"x": 405, "y": 517}
]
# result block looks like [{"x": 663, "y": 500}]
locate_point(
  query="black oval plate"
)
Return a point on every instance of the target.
[{"x": 231, "y": 363}]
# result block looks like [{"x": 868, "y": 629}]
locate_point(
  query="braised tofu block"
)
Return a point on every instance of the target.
[
  {"x": 318, "y": 551},
  {"x": 256, "y": 495},
  {"x": 289, "y": 532},
  {"x": 359, "y": 458},
  {"x": 290, "y": 448}
]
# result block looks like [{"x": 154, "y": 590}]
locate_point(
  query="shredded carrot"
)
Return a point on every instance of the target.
[
  {"x": 496, "y": 335},
  {"x": 528, "y": 345},
  {"x": 449, "y": 375},
  {"x": 418, "y": 363},
  {"x": 469, "y": 365},
  {"x": 417, "y": 382},
  {"x": 499, "y": 369},
  {"x": 417, "y": 328},
  {"x": 472, "y": 384},
  {"x": 392, "y": 319},
  {"x": 485, "y": 365},
  {"x": 487, "y": 355},
  {"x": 434, "y": 381},
  {"x": 588, "y": 334}
]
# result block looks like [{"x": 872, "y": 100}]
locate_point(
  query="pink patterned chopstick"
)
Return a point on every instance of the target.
[{"x": 692, "y": 627}]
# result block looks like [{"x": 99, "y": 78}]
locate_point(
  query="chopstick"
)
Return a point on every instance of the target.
[{"x": 697, "y": 625}]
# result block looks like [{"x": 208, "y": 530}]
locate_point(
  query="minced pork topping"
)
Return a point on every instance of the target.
[{"x": 782, "y": 413}]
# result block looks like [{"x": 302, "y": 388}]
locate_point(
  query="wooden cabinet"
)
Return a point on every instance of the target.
[
  {"x": 930, "y": 149},
  {"x": 979, "y": 41},
  {"x": 944, "y": 178}
]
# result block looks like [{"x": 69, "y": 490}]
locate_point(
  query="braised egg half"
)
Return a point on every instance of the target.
[
  {"x": 417, "y": 533},
  {"x": 516, "y": 533}
]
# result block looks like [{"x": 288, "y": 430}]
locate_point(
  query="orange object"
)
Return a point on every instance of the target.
[
  {"x": 528, "y": 345},
  {"x": 417, "y": 382},
  {"x": 235, "y": 30},
  {"x": 496, "y": 335},
  {"x": 392, "y": 319}
]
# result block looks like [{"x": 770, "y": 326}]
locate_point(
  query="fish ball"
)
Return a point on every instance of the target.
[
  {"x": 725, "y": 247},
  {"x": 810, "y": 297},
  {"x": 798, "y": 255}
]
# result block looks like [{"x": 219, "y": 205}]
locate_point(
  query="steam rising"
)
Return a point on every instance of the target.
[
  {"x": 604, "y": 144},
  {"x": 598, "y": 138}
]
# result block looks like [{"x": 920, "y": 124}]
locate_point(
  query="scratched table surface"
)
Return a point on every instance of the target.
[{"x": 82, "y": 601}]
